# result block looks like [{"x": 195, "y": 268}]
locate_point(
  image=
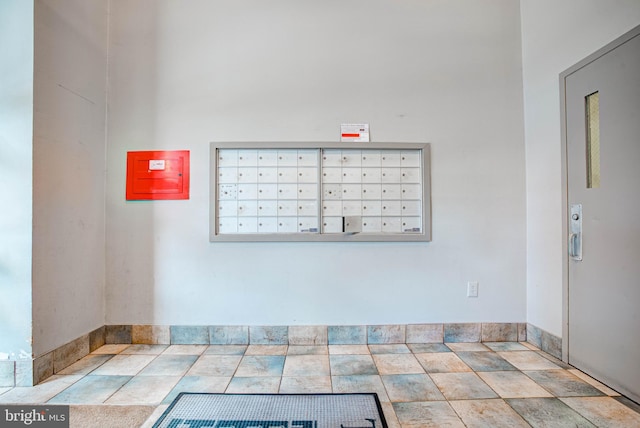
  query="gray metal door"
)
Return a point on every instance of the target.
[{"x": 602, "y": 108}]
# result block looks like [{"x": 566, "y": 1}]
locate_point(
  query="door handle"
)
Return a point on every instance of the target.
[
  {"x": 575, "y": 232},
  {"x": 574, "y": 238}
]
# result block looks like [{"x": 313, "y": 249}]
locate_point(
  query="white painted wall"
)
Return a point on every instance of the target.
[
  {"x": 16, "y": 134},
  {"x": 182, "y": 74},
  {"x": 555, "y": 36},
  {"x": 69, "y": 170}
]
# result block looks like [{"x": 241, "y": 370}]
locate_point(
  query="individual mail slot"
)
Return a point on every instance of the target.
[
  {"x": 267, "y": 191},
  {"x": 287, "y": 158},
  {"x": 247, "y": 225},
  {"x": 287, "y": 208},
  {"x": 247, "y": 158},
  {"x": 307, "y": 175},
  {"x": 371, "y": 208},
  {"x": 332, "y": 208},
  {"x": 307, "y": 208},
  {"x": 247, "y": 208},
  {"x": 352, "y": 191},
  {"x": 227, "y": 192},
  {"x": 307, "y": 158},
  {"x": 351, "y": 208},
  {"x": 248, "y": 191},
  {"x": 410, "y": 175},
  {"x": 227, "y": 158},
  {"x": 267, "y": 158},
  {"x": 411, "y": 208},
  {"x": 307, "y": 191},
  {"x": 332, "y": 175},
  {"x": 287, "y": 175},
  {"x": 410, "y": 158},
  {"x": 390, "y": 158},
  {"x": 371, "y": 191},
  {"x": 371, "y": 158},
  {"x": 351, "y": 158},
  {"x": 332, "y": 224},
  {"x": 267, "y": 225},
  {"x": 227, "y": 208},
  {"x": 228, "y": 225},
  {"x": 287, "y": 191},
  {"x": 267, "y": 175},
  {"x": 332, "y": 191},
  {"x": 308, "y": 224},
  {"x": 371, "y": 224},
  {"x": 391, "y": 224},
  {"x": 351, "y": 175},
  {"x": 287, "y": 224},
  {"x": 247, "y": 175},
  {"x": 267, "y": 208},
  {"x": 371, "y": 175},
  {"x": 411, "y": 191},
  {"x": 391, "y": 191},
  {"x": 228, "y": 175},
  {"x": 411, "y": 224},
  {"x": 391, "y": 208},
  {"x": 332, "y": 158},
  {"x": 390, "y": 175}
]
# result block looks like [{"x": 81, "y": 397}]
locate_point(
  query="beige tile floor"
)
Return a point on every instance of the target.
[{"x": 423, "y": 385}]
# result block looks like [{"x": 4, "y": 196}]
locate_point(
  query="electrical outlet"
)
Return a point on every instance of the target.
[{"x": 472, "y": 289}]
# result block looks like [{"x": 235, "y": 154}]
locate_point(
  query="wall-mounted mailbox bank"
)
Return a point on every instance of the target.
[
  {"x": 156, "y": 175},
  {"x": 320, "y": 192}
]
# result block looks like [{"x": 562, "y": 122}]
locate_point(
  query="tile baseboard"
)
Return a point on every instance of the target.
[{"x": 53, "y": 362}]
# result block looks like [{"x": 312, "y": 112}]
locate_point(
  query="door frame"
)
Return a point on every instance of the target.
[{"x": 565, "y": 181}]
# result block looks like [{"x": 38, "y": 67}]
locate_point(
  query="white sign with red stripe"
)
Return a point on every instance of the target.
[{"x": 354, "y": 132}]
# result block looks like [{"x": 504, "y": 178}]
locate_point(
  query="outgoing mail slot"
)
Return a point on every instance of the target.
[{"x": 156, "y": 175}]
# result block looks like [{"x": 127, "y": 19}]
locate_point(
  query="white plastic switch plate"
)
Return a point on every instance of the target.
[{"x": 472, "y": 289}]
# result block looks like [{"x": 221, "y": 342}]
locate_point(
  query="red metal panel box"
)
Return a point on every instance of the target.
[{"x": 154, "y": 175}]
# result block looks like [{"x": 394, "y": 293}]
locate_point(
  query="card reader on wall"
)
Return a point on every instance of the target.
[{"x": 352, "y": 225}]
